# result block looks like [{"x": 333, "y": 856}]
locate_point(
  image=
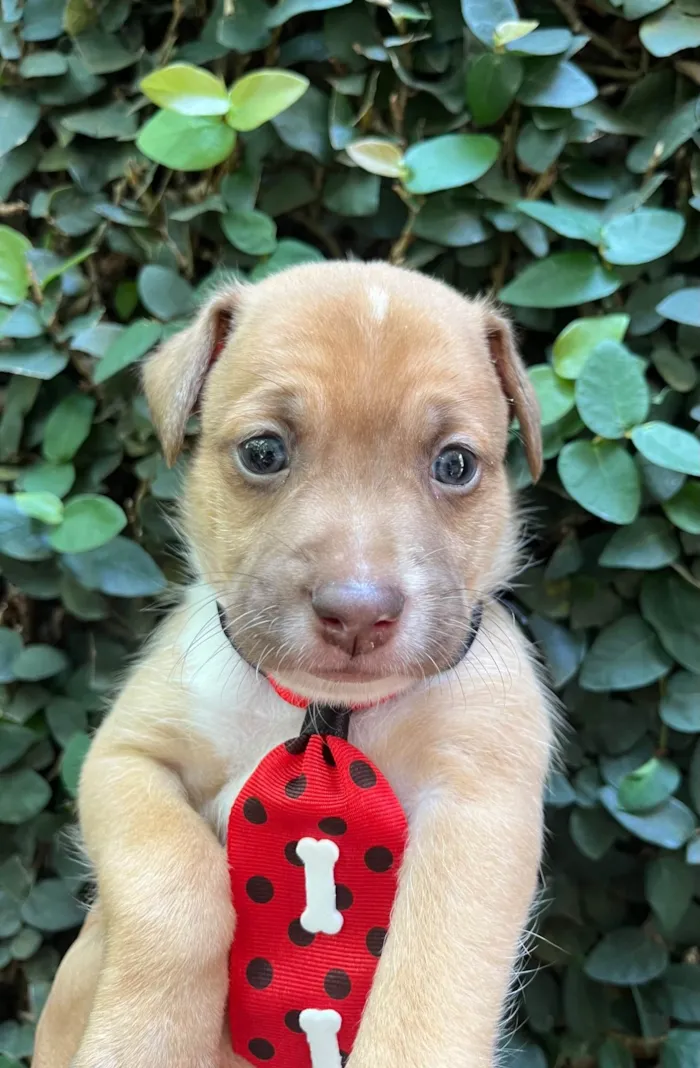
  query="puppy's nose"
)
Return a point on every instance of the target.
[{"x": 357, "y": 617}]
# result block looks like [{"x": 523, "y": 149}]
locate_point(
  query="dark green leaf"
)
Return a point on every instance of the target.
[
  {"x": 556, "y": 84},
  {"x": 18, "y": 118},
  {"x": 601, "y": 477},
  {"x": 680, "y": 703},
  {"x": 625, "y": 656},
  {"x": 250, "y": 231},
  {"x": 138, "y": 339},
  {"x": 23, "y": 795},
  {"x": 73, "y": 756},
  {"x": 52, "y": 907},
  {"x": 492, "y": 82},
  {"x": 561, "y": 280},
  {"x": 683, "y": 306},
  {"x": 67, "y": 427},
  {"x": 611, "y": 391},
  {"x": 164, "y": 294},
  {"x": 89, "y": 521},
  {"x": 120, "y": 569},
  {"x": 36, "y": 662},
  {"x": 669, "y": 826}
]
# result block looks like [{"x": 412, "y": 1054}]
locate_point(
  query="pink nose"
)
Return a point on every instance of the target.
[{"x": 357, "y": 617}]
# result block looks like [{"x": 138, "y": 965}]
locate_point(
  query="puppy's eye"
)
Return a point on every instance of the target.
[
  {"x": 455, "y": 466},
  {"x": 264, "y": 455}
]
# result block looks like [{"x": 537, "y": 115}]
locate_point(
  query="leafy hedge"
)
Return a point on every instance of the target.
[{"x": 549, "y": 154}]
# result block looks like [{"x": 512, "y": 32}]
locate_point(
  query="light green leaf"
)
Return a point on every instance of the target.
[
  {"x": 681, "y": 1050},
  {"x": 483, "y": 16},
  {"x": 626, "y": 957},
  {"x": 186, "y": 89},
  {"x": 23, "y": 795},
  {"x": 121, "y": 568},
  {"x": 378, "y": 156},
  {"x": 89, "y": 521},
  {"x": 670, "y": 32},
  {"x": 646, "y": 545},
  {"x": 554, "y": 83},
  {"x": 602, "y": 478},
  {"x": 14, "y": 273},
  {"x": 512, "y": 30},
  {"x": 492, "y": 82},
  {"x": 186, "y": 143},
  {"x": 19, "y": 116},
  {"x": 645, "y": 235},
  {"x": 55, "y": 479},
  {"x": 626, "y": 655},
  {"x": 51, "y": 907},
  {"x": 611, "y": 392},
  {"x": 37, "y": 662},
  {"x": 252, "y": 232},
  {"x": 683, "y": 306},
  {"x": 577, "y": 341},
  {"x": 164, "y": 294},
  {"x": 579, "y": 225},
  {"x": 555, "y": 395},
  {"x": 448, "y": 162},
  {"x": 680, "y": 703},
  {"x": 138, "y": 339},
  {"x": 67, "y": 427},
  {"x": 41, "y": 505},
  {"x": 668, "y": 446},
  {"x": 261, "y": 95},
  {"x": 683, "y": 509},
  {"x": 561, "y": 280},
  {"x": 648, "y": 786}
]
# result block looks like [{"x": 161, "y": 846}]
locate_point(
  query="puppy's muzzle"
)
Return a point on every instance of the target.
[{"x": 357, "y": 617}]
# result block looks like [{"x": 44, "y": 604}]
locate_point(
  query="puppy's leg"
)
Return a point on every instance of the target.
[
  {"x": 467, "y": 884},
  {"x": 64, "y": 1018}
]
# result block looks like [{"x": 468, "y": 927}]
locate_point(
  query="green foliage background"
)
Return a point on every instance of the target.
[{"x": 590, "y": 212}]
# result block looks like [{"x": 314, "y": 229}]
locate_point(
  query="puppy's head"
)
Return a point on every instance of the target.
[{"x": 348, "y": 500}]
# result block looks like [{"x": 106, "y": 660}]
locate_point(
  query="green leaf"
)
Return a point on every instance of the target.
[
  {"x": 483, "y": 16},
  {"x": 43, "y": 65},
  {"x": 645, "y": 235},
  {"x": 120, "y": 569},
  {"x": 682, "y": 984},
  {"x": 681, "y": 1050},
  {"x": 672, "y": 606},
  {"x": 41, "y": 505},
  {"x": 555, "y": 395},
  {"x": 673, "y": 131},
  {"x": 250, "y": 231},
  {"x": 186, "y": 143},
  {"x": 36, "y": 662},
  {"x": 19, "y": 116},
  {"x": 556, "y": 84},
  {"x": 14, "y": 274},
  {"x": 670, "y": 32},
  {"x": 683, "y": 509},
  {"x": 561, "y": 280},
  {"x": 378, "y": 156},
  {"x": 263, "y": 94},
  {"x": 626, "y": 655},
  {"x": 668, "y": 446},
  {"x": 73, "y": 757},
  {"x": 680, "y": 703},
  {"x": 89, "y": 521},
  {"x": 67, "y": 427},
  {"x": 52, "y": 907},
  {"x": 355, "y": 194},
  {"x": 55, "y": 479},
  {"x": 611, "y": 391},
  {"x": 448, "y": 161},
  {"x": 577, "y": 341},
  {"x": 15, "y": 740},
  {"x": 23, "y": 795},
  {"x": 512, "y": 30},
  {"x": 579, "y": 225},
  {"x": 646, "y": 545},
  {"x": 669, "y": 891},
  {"x": 492, "y": 83},
  {"x": 187, "y": 90},
  {"x": 113, "y": 120},
  {"x": 287, "y": 9},
  {"x": 648, "y": 786},
  {"x": 626, "y": 957},
  {"x": 65, "y": 719},
  {"x": 134, "y": 342},
  {"x": 683, "y": 306},
  {"x": 603, "y": 478},
  {"x": 164, "y": 294},
  {"x": 563, "y": 650}
]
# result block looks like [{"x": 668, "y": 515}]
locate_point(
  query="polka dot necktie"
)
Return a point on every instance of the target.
[{"x": 315, "y": 842}]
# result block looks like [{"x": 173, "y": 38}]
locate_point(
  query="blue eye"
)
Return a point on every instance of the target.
[
  {"x": 455, "y": 466},
  {"x": 264, "y": 455}
]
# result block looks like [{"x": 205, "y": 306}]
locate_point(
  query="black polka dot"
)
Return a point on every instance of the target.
[
  {"x": 362, "y": 774},
  {"x": 332, "y": 825},
  {"x": 259, "y": 973},
  {"x": 262, "y": 1049},
  {"x": 291, "y": 1020},
  {"x": 254, "y": 810},
  {"x": 379, "y": 858},
  {"x": 259, "y": 889},
  {"x": 375, "y": 941},
  {"x": 290, "y": 852},
  {"x": 337, "y": 984},
  {"x": 295, "y": 787},
  {"x": 327, "y": 754},
  {"x": 298, "y": 935},
  {"x": 295, "y": 746},
  {"x": 343, "y": 898}
]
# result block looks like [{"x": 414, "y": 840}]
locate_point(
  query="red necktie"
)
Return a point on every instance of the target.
[{"x": 298, "y": 984}]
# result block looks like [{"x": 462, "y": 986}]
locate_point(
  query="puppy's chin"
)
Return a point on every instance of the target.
[{"x": 346, "y": 690}]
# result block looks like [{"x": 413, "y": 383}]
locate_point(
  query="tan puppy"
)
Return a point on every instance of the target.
[{"x": 349, "y": 509}]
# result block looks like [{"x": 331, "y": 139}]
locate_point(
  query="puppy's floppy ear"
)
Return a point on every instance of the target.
[
  {"x": 174, "y": 375},
  {"x": 516, "y": 386}
]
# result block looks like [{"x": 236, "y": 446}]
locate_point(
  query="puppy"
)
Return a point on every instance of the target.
[{"x": 349, "y": 516}]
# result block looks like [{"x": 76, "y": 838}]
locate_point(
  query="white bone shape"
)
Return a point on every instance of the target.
[
  {"x": 319, "y": 858},
  {"x": 321, "y": 1028}
]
